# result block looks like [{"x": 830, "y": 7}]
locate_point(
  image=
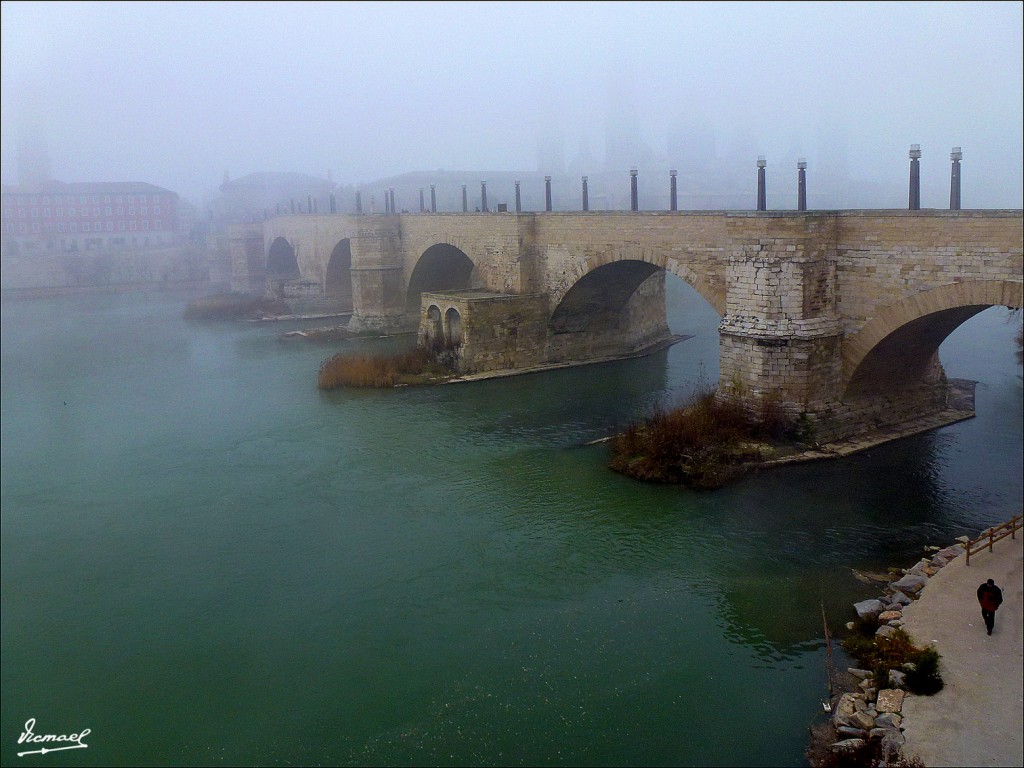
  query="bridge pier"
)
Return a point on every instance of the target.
[{"x": 378, "y": 282}]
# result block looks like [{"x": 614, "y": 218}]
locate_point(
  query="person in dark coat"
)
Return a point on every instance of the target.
[{"x": 990, "y": 596}]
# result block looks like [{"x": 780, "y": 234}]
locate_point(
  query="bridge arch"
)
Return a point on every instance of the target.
[
  {"x": 338, "y": 276},
  {"x": 281, "y": 261},
  {"x": 441, "y": 267},
  {"x": 899, "y": 345}
]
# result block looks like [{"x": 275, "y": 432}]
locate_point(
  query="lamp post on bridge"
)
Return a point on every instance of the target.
[
  {"x": 634, "y": 199},
  {"x": 465, "y": 200},
  {"x": 433, "y": 200},
  {"x": 915, "y": 177},
  {"x": 359, "y": 202},
  {"x": 423, "y": 208},
  {"x": 673, "y": 203},
  {"x": 483, "y": 196},
  {"x": 801, "y": 184},
  {"x": 519, "y": 205},
  {"x": 586, "y": 197},
  {"x": 762, "y": 193},
  {"x": 547, "y": 193},
  {"x": 954, "y": 179}
]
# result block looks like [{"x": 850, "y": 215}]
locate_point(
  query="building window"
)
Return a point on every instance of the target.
[
  {"x": 96, "y": 212},
  {"x": 119, "y": 199},
  {"x": 144, "y": 211},
  {"x": 23, "y": 227},
  {"x": 110, "y": 226},
  {"x": 60, "y": 212},
  {"x": 106, "y": 198},
  {"x": 95, "y": 199},
  {"x": 60, "y": 226},
  {"x": 46, "y": 213},
  {"x": 82, "y": 200},
  {"x": 120, "y": 210},
  {"x": 131, "y": 225},
  {"x": 145, "y": 223},
  {"x": 21, "y": 213},
  {"x": 109, "y": 211},
  {"x": 131, "y": 210},
  {"x": 86, "y": 227},
  {"x": 156, "y": 210},
  {"x": 35, "y": 213},
  {"x": 74, "y": 227},
  {"x": 156, "y": 224},
  {"x": 46, "y": 200},
  {"x": 120, "y": 226},
  {"x": 35, "y": 226}
]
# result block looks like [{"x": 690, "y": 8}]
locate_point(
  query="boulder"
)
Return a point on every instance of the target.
[
  {"x": 889, "y": 720},
  {"x": 849, "y": 732},
  {"x": 868, "y": 610},
  {"x": 919, "y": 568},
  {"x": 884, "y": 733},
  {"x": 860, "y": 674},
  {"x": 884, "y": 631},
  {"x": 890, "y": 615},
  {"x": 900, "y": 599},
  {"x": 890, "y": 700},
  {"x": 845, "y": 744},
  {"x": 897, "y": 679},
  {"x": 862, "y": 720},
  {"x": 910, "y": 584}
]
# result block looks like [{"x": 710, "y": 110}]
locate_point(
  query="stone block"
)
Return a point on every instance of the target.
[
  {"x": 868, "y": 610},
  {"x": 890, "y": 700},
  {"x": 910, "y": 583}
]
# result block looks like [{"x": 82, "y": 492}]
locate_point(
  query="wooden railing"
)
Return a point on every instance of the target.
[{"x": 992, "y": 535}]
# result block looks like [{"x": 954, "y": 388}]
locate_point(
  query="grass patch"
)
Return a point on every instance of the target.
[
  {"x": 704, "y": 444},
  {"x": 420, "y": 365},
  {"x": 234, "y": 306},
  {"x": 882, "y": 654}
]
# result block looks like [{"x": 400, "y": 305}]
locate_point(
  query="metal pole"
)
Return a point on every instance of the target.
[
  {"x": 634, "y": 200},
  {"x": 547, "y": 193},
  {"x": 433, "y": 200},
  {"x": 954, "y": 179},
  {"x": 423, "y": 207},
  {"x": 465, "y": 200},
  {"x": 483, "y": 196},
  {"x": 519, "y": 205},
  {"x": 586, "y": 198},
  {"x": 673, "y": 203},
  {"x": 762, "y": 196},
  {"x": 915, "y": 177},
  {"x": 359, "y": 202},
  {"x": 801, "y": 184}
]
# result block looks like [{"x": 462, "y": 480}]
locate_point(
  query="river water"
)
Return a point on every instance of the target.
[{"x": 207, "y": 560}]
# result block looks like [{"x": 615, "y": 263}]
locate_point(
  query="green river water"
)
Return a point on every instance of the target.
[{"x": 206, "y": 560}]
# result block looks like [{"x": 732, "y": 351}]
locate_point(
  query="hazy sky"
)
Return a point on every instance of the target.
[{"x": 177, "y": 93}]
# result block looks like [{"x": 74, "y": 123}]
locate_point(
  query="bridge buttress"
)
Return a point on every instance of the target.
[{"x": 378, "y": 281}]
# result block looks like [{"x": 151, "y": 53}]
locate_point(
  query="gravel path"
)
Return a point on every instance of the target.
[{"x": 978, "y": 717}]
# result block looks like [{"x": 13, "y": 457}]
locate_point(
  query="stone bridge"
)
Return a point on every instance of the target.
[{"x": 834, "y": 314}]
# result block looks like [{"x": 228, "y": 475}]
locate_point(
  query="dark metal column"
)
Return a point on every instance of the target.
[
  {"x": 954, "y": 179},
  {"x": 359, "y": 202},
  {"x": 547, "y": 193},
  {"x": 801, "y": 184},
  {"x": 483, "y": 196},
  {"x": 334, "y": 204},
  {"x": 465, "y": 200},
  {"x": 634, "y": 200},
  {"x": 673, "y": 202},
  {"x": 423, "y": 207},
  {"x": 762, "y": 195},
  {"x": 433, "y": 199},
  {"x": 309, "y": 203},
  {"x": 519, "y": 205},
  {"x": 915, "y": 177},
  {"x": 586, "y": 197}
]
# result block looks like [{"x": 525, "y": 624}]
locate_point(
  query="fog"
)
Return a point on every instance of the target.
[{"x": 177, "y": 94}]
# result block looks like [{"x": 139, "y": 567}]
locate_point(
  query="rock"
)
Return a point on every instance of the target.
[
  {"x": 868, "y": 610},
  {"x": 890, "y": 700},
  {"x": 883, "y": 733},
  {"x": 845, "y": 744},
  {"x": 889, "y": 720},
  {"x": 897, "y": 679},
  {"x": 891, "y": 743},
  {"x": 900, "y": 598},
  {"x": 844, "y": 709},
  {"x": 862, "y": 720},
  {"x": 910, "y": 583},
  {"x": 860, "y": 704},
  {"x": 918, "y": 569},
  {"x": 890, "y": 615},
  {"x": 885, "y": 631},
  {"x": 870, "y": 693},
  {"x": 865, "y": 683},
  {"x": 860, "y": 674},
  {"x": 849, "y": 732},
  {"x": 897, "y": 623},
  {"x": 963, "y": 539},
  {"x": 850, "y": 625}
]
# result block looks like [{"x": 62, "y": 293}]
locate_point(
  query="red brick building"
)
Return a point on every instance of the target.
[{"x": 58, "y": 217}]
